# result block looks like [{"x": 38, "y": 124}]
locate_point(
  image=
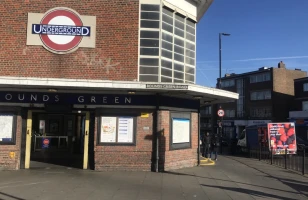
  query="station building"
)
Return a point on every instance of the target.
[{"x": 101, "y": 85}]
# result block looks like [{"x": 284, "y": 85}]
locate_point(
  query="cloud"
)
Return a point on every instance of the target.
[{"x": 259, "y": 59}]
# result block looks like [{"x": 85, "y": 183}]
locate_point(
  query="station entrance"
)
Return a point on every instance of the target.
[{"x": 57, "y": 138}]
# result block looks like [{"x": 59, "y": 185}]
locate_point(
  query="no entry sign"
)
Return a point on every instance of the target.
[{"x": 220, "y": 112}]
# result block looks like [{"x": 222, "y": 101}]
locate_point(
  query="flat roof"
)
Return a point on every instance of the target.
[{"x": 207, "y": 95}]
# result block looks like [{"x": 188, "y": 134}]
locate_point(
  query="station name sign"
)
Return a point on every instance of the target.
[
  {"x": 55, "y": 98},
  {"x": 66, "y": 98},
  {"x": 166, "y": 86}
]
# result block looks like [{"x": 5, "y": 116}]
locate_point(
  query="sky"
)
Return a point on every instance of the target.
[{"x": 263, "y": 32}]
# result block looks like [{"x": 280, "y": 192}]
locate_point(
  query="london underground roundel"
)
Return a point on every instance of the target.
[{"x": 61, "y": 30}]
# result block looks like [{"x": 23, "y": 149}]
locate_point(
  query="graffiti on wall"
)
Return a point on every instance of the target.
[{"x": 97, "y": 60}]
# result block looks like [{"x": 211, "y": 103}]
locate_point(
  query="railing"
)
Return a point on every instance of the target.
[
  {"x": 55, "y": 142},
  {"x": 297, "y": 162}
]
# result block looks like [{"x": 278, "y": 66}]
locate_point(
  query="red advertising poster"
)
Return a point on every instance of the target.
[{"x": 282, "y": 137}]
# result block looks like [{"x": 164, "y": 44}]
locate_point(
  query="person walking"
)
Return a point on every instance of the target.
[
  {"x": 214, "y": 146},
  {"x": 206, "y": 144}
]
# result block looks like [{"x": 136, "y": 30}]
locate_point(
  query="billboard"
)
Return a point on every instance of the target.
[{"x": 282, "y": 137}]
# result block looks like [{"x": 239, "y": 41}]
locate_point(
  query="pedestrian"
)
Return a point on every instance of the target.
[
  {"x": 214, "y": 146},
  {"x": 206, "y": 144}
]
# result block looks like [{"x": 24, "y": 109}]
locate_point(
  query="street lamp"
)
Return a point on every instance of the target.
[
  {"x": 221, "y": 34},
  {"x": 219, "y": 86}
]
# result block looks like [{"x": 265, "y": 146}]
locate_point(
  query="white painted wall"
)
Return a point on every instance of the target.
[{"x": 184, "y": 5}]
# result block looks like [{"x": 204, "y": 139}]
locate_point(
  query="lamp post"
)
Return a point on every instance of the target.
[
  {"x": 219, "y": 86},
  {"x": 221, "y": 34}
]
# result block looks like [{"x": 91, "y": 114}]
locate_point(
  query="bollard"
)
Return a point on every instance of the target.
[
  {"x": 272, "y": 155},
  {"x": 285, "y": 159},
  {"x": 303, "y": 169},
  {"x": 260, "y": 151}
]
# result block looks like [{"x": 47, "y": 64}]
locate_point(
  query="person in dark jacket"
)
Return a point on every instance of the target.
[
  {"x": 206, "y": 144},
  {"x": 214, "y": 146}
]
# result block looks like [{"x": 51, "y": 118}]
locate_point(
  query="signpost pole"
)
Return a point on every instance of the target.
[
  {"x": 220, "y": 113},
  {"x": 285, "y": 158},
  {"x": 303, "y": 169}
]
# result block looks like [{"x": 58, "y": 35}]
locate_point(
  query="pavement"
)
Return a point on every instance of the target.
[{"x": 228, "y": 178}]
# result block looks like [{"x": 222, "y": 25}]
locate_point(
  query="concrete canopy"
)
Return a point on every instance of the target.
[{"x": 206, "y": 95}]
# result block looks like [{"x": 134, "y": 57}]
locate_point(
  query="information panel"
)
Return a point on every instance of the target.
[
  {"x": 180, "y": 130},
  {"x": 6, "y": 128},
  {"x": 108, "y": 129},
  {"x": 126, "y": 129}
]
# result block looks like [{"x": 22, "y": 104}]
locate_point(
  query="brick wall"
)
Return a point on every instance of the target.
[
  {"x": 283, "y": 80},
  {"x": 114, "y": 58},
  {"x": 175, "y": 159},
  {"x": 130, "y": 158},
  {"x": 6, "y": 161}
]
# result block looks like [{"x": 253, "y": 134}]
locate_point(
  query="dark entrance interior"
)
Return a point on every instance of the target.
[{"x": 58, "y": 139}]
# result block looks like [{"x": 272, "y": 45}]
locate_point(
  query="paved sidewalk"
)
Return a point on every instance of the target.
[{"x": 230, "y": 178}]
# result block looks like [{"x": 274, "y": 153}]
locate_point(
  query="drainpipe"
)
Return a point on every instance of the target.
[
  {"x": 199, "y": 131},
  {"x": 157, "y": 135}
]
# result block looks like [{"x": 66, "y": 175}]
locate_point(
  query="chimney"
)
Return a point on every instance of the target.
[{"x": 281, "y": 65}]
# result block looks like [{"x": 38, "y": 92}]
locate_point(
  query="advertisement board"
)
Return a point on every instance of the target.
[{"x": 282, "y": 137}]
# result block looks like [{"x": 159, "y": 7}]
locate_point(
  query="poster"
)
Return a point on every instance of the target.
[
  {"x": 42, "y": 124},
  {"x": 126, "y": 129},
  {"x": 6, "y": 128},
  {"x": 180, "y": 130},
  {"x": 282, "y": 137},
  {"x": 108, "y": 129}
]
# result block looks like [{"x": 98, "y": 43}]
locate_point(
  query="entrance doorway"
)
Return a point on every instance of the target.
[{"x": 57, "y": 138}]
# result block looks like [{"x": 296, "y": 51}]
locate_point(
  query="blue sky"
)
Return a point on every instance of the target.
[{"x": 263, "y": 32}]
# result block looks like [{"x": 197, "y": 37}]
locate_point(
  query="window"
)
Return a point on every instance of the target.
[
  {"x": 117, "y": 130},
  {"x": 228, "y": 132},
  {"x": 229, "y": 113},
  {"x": 7, "y": 128},
  {"x": 260, "y": 77},
  {"x": 180, "y": 129},
  {"x": 149, "y": 43},
  {"x": 206, "y": 123},
  {"x": 178, "y": 47},
  {"x": 240, "y": 101},
  {"x": 260, "y": 95},
  {"x": 305, "y": 105},
  {"x": 175, "y": 52},
  {"x": 227, "y": 83},
  {"x": 259, "y": 112},
  {"x": 207, "y": 110},
  {"x": 305, "y": 85}
]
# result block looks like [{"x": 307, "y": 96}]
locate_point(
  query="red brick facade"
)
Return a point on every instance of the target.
[
  {"x": 139, "y": 157},
  {"x": 175, "y": 159},
  {"x": 10, "y": 154},
  {"x": 130, "y": 158},
  {"x": 114, "y": 58}
]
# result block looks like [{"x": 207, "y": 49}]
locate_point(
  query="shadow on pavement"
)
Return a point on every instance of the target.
[
  {"x": 250, "y": 192},
  {"x": 216, "y": 179},
  {"x": 299, "y": 186},
  {"x": 10, "y": 196}
]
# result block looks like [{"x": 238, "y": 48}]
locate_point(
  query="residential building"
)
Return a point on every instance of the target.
[
  {"x": 299, "y": 111},
  {"x": 265, "y": 95}
]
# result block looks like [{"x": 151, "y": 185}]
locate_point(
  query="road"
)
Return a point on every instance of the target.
[{"x": 230, "y": 178}]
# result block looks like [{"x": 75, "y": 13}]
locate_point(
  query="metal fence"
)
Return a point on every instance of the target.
[{"x": 297, "y": 162}]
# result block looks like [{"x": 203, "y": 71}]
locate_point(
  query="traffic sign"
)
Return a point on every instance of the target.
[{"x": 220, "y": 112}]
